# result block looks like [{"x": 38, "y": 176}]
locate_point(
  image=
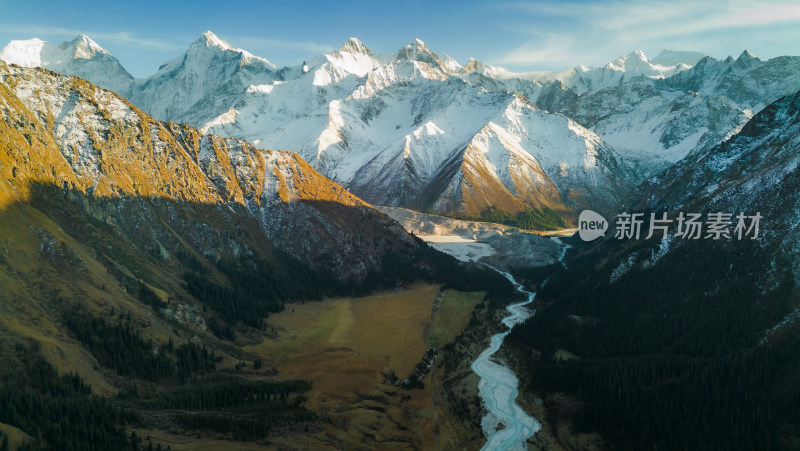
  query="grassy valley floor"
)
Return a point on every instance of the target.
[{"x": 352, "y": 349}]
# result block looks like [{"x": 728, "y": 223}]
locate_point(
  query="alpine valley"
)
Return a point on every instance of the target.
[
  {"x": 225, "y": 254},
  {"x": 144, "y": 255}
]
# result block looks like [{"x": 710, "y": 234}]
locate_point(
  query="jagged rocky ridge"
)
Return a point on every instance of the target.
[
  {"x": 163, "y": 185},
  {"x": 756, "y": 170}
]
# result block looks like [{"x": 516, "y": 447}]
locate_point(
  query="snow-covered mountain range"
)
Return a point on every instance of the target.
[
  {"x": 417, "y": 129},
  {"x": 583, "y": 79},
  {"x": 401, "y": 129}
]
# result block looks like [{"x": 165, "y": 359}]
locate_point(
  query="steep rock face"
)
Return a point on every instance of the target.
[
  {"x": 66, "y": 133},
  {"x": 754, "y": 171},
  {"x": 200, "y": 82}
]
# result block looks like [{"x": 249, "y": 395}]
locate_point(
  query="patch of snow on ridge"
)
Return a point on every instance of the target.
[
  {"x": 322, "y": 77},
  {"x": 788, "y": 319},
  {"x": 656, "y": 254},
  {"x": 357, "y": 64},
  {"x": 623, "y": 267},
  {"x": 228, "y": 117},
  {"x": 430, "y": 129},
  {"x": 590, "y": 139},
  {"x": 264, "y": 89},
  {"x": 330, "y": 135}
]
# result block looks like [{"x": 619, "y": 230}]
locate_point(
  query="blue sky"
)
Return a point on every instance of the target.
[{"x": 522, "y": 36}]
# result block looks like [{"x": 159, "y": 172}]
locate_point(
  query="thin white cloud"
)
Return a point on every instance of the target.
[
  {"x": 583, "y": 32},
  {"x": 767, "y": 15},
  {"x": 555, "y": 49},
  {"x": 121, "y": 37}
]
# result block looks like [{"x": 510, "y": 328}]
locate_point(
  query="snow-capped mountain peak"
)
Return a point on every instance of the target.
[
  {"x": 354, "y": 45},
  {"x": 84, "y": 47},
  {"x": 418, "y": 51},
  {"x": 210, "y": 39},
  {"x": 635, "y": 61},
  {"x": 473, "y": 65},
  {"x": 352, "y": 58},
  {"x": 81, "y": 57},
  {"x": 747, "y": 55},
  {"x": 25, "y": 53},
  {"x": 747, "y": 59},
  {"x": 201, "y": 80}
]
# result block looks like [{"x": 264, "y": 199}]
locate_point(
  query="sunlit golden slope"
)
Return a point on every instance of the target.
[
  {"x": 65, "y": 132},
  {"x": 97, "y": 199}
]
